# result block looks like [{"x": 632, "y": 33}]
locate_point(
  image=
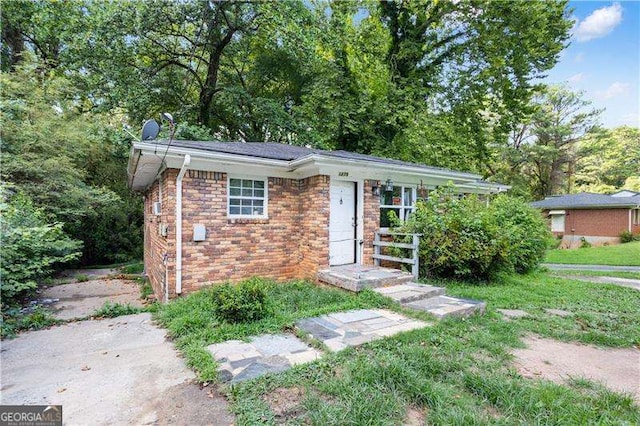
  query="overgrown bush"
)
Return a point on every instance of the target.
[
  {"x": 466, "y": 239},
  {"x": 244, "y": 302},
  {"x": 628, "y": 237},
  {"x": 30, "y": 245}
]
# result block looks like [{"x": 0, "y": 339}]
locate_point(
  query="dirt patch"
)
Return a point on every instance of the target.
[
  {"x": 414, "y": 417},
  {"x": 285, "y": 402},
  {"x": 617, "y": 369},
  {"x": 188, "y": 404},
  {"x": 79, "y": 300}
]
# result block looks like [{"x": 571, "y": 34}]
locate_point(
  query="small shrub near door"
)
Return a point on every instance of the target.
[
  {"x": 244, "y": 302},
  {"x": 468, "y": 239}
]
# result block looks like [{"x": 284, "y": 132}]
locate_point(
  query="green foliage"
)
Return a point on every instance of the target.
[
  {"x": 525, "y": 229},
  {"x": 617, "y": 255},
  {"x": 13, "y": 321},
  {"x": 31, "y": 245},
  {"x": 464, "y": 238},
  {"x": 82, "y": 278},
  {"x": 627, "y": 237},
  {"x": 112, "y": 310},
  {"x": 133, "y": 268},
  {"x": 607, "y": 159},
  {"x": 459, "y": 371},
  {"x": 146, "y": 289},
  {"x": 584, "y": 243},
  {"x": 244, "y": 302}
]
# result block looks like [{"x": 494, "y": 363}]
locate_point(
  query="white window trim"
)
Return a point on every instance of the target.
[
  {"x": 265, "y": 215},
  {"x": 558, "y": 216},
  {"x": 401, "y": 208}
]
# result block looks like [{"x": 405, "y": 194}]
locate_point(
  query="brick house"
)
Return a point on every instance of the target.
[
  {"x": 598, "y": 218},
  {"x": 225, "y": 211}
]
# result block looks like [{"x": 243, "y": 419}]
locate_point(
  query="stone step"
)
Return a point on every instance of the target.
[
  {"x": 409, "y": 292},
  {"x": 357, "y": 277},
  {"x": 444, "y": 306}
]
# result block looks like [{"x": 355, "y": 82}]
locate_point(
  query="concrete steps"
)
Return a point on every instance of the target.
[
  {"x": 399, "y": 286},
  {"x": 431, "y": 299},
  {"x": 357, "y": 277}
]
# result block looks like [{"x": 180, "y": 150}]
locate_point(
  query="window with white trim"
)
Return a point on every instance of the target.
[
  {"x": 402, "y": 201},
  {"x": 636, "y": 216},
  {"x": 557, "y": 222},
  {"x": 247, "y": 198}
]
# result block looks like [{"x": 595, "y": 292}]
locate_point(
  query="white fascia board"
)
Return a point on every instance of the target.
[
  {"x": 180, "y": 152},
  {"x": 323, "y": 160}
]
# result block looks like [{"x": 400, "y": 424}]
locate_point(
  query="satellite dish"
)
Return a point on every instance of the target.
[{"x": 150, "y": 130}]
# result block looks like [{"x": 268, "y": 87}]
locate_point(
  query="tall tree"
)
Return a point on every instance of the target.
[
  {"x": 562, "y": 118},
  {"x": 607, "y": 159}
]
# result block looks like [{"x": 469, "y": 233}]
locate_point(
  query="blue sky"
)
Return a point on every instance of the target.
[{"x": 603, "y": 59}]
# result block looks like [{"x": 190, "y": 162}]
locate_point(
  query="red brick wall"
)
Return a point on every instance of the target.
[
  {"x": 313, "y": 219},
  {"x": 155, "y": 245},
  {"x": 291, "y": 243},
  {"x": 371, "y": 221},
  {"x": 595, "y": 222}
]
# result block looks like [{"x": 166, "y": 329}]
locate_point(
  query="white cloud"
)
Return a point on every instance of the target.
[
  {"x": 616, "y": 89},
  {"x": 600, "y": 23},
  {"x": 576, "y": 78}
]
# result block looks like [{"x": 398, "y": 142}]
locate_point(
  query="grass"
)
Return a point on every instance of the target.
[
  {"x": 13, "y": 321},
  {"x": 133, "y": 268},
  {"x": 193, "y": 325},
  {"x": 82, "y": 278},
  {"x": 614, "y": 274},
  {"x": 618, "y": 255},
  {"x": 456, "y": 372},
  {"x": 112, "y": 310}
]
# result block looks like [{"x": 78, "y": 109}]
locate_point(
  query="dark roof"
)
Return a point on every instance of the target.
[
  {"x": 586, "y": 200},
  {"x": 279, "y": 151}
]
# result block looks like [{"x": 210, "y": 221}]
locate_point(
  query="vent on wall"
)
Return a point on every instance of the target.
[{"x": 157, "y": 208}]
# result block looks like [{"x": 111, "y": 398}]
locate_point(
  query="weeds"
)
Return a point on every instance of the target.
[
  {"x": 15, "y": 321},
  {"x": 82, "y": 278},
  {"x": 111, "y": 310}
]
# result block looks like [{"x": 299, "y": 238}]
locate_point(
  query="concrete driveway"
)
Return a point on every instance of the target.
[{"x": 114, "y": 371}]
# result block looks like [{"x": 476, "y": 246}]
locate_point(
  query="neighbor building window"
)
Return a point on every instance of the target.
[
  {"x": 636, "y": 216},
  {"x": 247, "y": 198},
  {"x": 401, "y": 201},
  {"x": 557, "y": 220}
]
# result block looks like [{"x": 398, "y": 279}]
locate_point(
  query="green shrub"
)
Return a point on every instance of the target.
[
  {"x": 466, "y": 239},
  {"x": 525, "y": 230},
  {"x": 112, "y": 310},
  {"x": 14, "y": 321},
  {"x": 244, "y": 302},
  {"x": 584, "y": 243},
  {"x": 626, "y": 237},
  {"x": 134, "y": 268},
  {"x": 30, "y": 246},
  {"x": 82, "y": 278}
]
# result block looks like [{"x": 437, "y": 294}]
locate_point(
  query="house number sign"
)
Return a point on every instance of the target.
[{"x": 343, "y": 174}]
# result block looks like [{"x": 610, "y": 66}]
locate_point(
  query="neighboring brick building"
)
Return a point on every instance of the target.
[
  {"x": 598, "y": 218},
  {"x": 225, "y": 211}
]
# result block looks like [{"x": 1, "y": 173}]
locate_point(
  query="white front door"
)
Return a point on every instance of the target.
[{"x": 342, "y": 223}]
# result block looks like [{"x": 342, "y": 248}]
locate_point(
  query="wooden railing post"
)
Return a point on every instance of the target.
[
  {"x": 415, "y": 269},
  {"x": 376, "y": 248}
]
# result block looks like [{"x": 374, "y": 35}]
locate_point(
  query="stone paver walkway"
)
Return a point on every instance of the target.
[
  {"x": 352, "y": 328},
  {"x": 443, "y": 306},
  {"x": 263, "y": 354}
]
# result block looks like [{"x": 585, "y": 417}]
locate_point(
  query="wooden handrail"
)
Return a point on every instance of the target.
[{"x": 414, "y": 246}]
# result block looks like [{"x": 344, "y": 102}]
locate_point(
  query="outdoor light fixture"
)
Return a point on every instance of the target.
[
  {"x": 375, "y": 188},
  {"x": 388, "y": 185}
]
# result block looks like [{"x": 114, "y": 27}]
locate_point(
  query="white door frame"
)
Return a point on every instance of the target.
[{"x": 358, "y": 215}]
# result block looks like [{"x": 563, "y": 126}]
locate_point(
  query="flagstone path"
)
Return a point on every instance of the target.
[{"x": 265, "y": 354}]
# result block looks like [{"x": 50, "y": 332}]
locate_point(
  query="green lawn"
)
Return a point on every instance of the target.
[
  {"x": 618, "y": 255},
  {"x": 456, "y": 372}
]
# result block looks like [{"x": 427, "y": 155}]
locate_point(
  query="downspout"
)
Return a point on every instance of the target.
[{"x": 183, "y": 170}]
